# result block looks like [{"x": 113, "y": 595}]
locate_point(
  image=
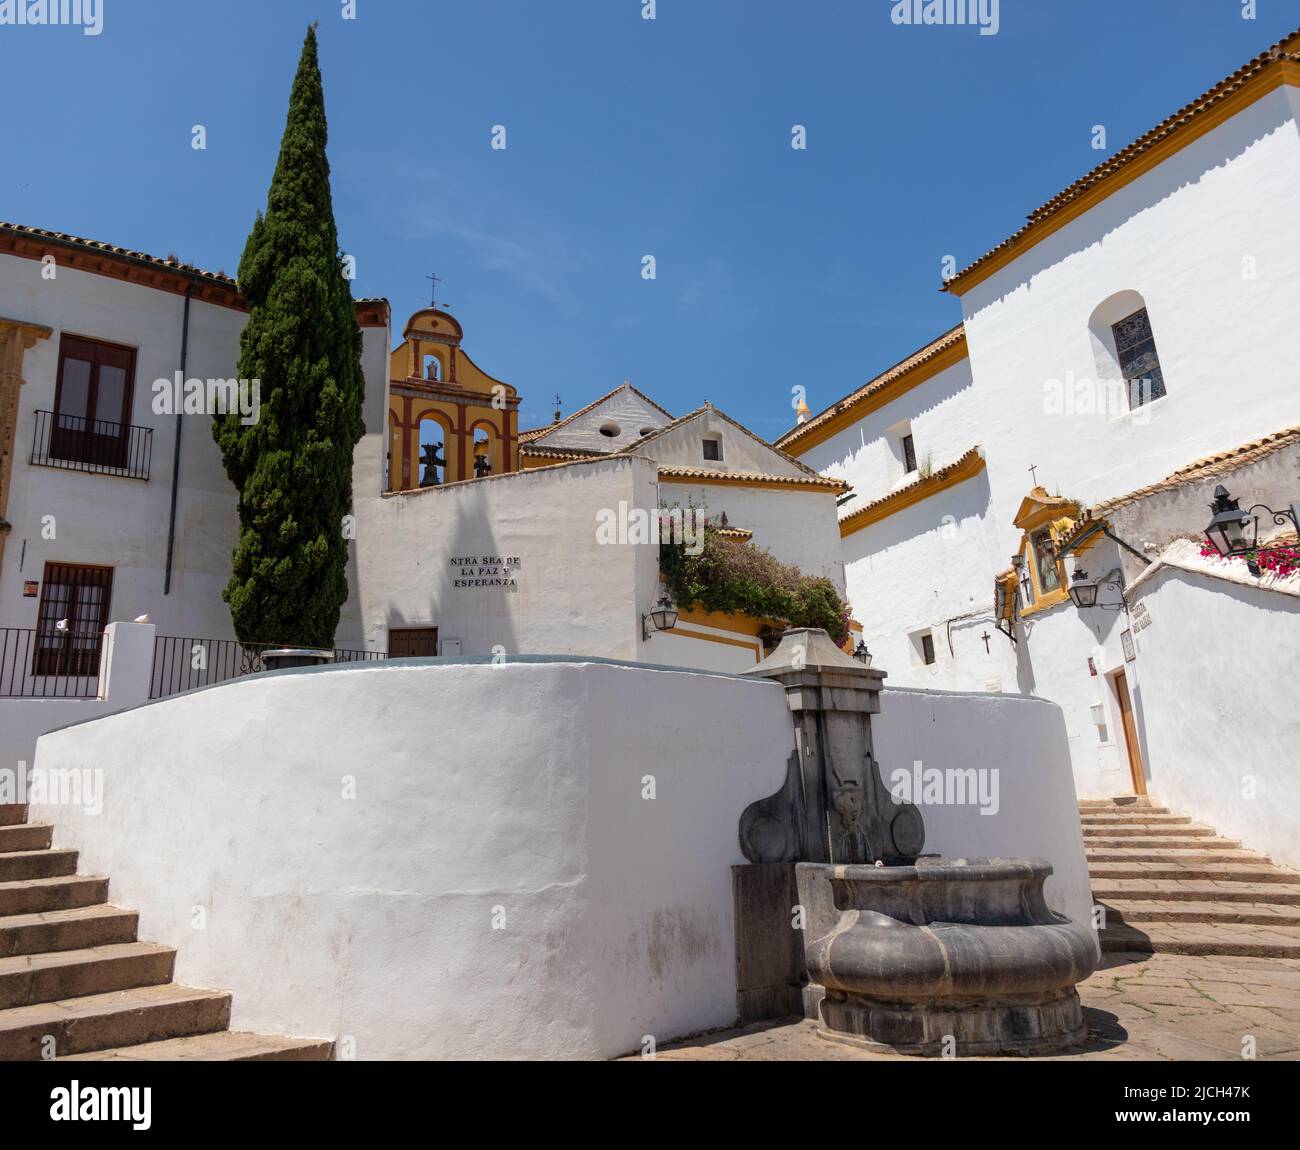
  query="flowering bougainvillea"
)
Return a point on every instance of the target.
[
  {"x": 733, "y": 576},
  {"x": 1280, "y": 561}
]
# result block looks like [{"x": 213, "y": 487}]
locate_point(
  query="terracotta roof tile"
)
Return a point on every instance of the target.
[
  {"x": 707, "y": 474},
  {"x": 949, "y": 338},
  {"x": 1143, "y": 144},
  {"x": 1220, "y": 463}
]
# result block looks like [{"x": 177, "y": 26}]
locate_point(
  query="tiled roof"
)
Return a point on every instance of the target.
[
  {"x": 1125, "y": 157},
  {"x": 225, "y": 287},
  {"x": 561, "y": 452},
  {"x": 537, "y": 432},
  {"x": 801, "y": 431},
  {"x": 758, "y": 478},
  {"x": 971, "y": 463},
  {"x": 708, "y": 408},
  {"x": 1220, "y": 463}
]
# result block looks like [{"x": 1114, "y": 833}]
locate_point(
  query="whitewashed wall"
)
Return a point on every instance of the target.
[
  {"x": 574, "y": 594},
  {"x": 109, "y": 520},
  {"x": 351, "y": 834},
  {"x": 1216, "y": 699},
  {"x": 477, "y": 787},
  {"x": 1187, "y": 235},
  {"x": 797, "y": 527},
  {"x": 1023, "y": 742},
  {"x": 112, "y": 521},
  {"x": 944, "y": 425}
]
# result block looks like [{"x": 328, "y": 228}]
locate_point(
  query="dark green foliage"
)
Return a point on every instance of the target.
[
  {"x": 735, "y": 577},
  {"x": 293, "y": 467}
]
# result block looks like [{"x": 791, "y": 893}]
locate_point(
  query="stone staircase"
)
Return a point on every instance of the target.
[
  {"x": 1173, "y": 887},
  {"x": 76, "y": 983}
]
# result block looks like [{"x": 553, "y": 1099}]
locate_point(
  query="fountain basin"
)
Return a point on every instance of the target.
[{"x": 947, "y": 956}]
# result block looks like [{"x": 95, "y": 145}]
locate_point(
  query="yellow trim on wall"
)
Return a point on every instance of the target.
[
  {"x": 758, "y": 650},
  {"x": 1199, "y": 125},
  {"x": 877, "y": 398},
  {"x": 720, "y": 621},
  {"x": 969, "y": 465}
]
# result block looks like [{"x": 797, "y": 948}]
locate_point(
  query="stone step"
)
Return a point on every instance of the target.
[
  {"x": 1121, "y": 819},
  {"x": 1153, "y": 854},
  {"x": 1152, "y": 910},
  {"x": 1149, "y": 830},
  {"x": 73, "y": 929},
  {"x": 1212, "y": 872},
  {"x": 108, "y": 1021},
  {"x": 1178, "y": 890},
  {"x": 1120, "y": 802},
  {"x": 1203, "y": 938},
  {"x": 219, "y": 1046},
  {"x": 12, "y": 813},
  {"x": 26, "y": 837},
  {"x": 33, "y": 896},
  {"x": 1166, "y": 844},
  {"x": 19, "y": 865},
  {"x": 30, "y": 978}
]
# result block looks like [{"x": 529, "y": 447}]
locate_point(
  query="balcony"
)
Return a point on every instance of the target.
[{"x": 74, "y": 443}]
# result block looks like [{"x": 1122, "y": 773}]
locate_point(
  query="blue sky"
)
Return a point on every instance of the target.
[{"x": 625, "y": 137}]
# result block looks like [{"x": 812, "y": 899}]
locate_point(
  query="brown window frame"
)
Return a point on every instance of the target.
[
  {"x": 86, "y": 443},
  {"x": 76, "y": 651}
]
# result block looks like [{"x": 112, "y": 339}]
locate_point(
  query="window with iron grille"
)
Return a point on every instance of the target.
[
  {"x": 92, "y": 403},
  {"x": 909, "y": 455},
  {"x": 1135, "y": 346},
  {"x": 71, "y": 618}
]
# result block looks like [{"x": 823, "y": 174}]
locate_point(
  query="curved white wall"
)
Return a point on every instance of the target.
[
  {"x": 227, "y": 822},
  {"x": 1023, "y": 740},
  {"x": 477, "y": 786}
]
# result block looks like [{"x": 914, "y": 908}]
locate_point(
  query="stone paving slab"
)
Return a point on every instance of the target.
[{"x": 1139, "y": 1007}]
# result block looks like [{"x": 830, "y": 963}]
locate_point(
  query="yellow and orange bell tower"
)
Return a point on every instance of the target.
[{"x": 438, "y": 396}]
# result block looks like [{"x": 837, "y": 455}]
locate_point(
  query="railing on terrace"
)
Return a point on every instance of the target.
[
  {"x": 181, "y": 664},
  {"x": 75, "y": 443},
  {"x": 46, "y": 663}
]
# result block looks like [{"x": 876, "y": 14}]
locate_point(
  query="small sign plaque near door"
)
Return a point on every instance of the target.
[
  {"x": 31, "y": 588},
  {"x": 1126, "y": 641}
]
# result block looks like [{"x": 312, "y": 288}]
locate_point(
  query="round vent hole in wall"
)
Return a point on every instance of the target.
[{"x": 610, "y": 429}]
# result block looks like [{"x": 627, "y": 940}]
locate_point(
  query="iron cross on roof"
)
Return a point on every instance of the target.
[{"x": 435, "y": 280}]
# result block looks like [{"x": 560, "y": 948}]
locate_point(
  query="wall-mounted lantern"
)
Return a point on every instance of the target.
[
  {"x": 1236, "y": 532},
  {"x": 662, "y": 618},
  {"x": 1083, "y": 593},
  {"x": 861, "y": 654}
]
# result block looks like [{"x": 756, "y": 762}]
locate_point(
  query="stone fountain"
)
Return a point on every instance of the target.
[{"x": 920, "y": 954}]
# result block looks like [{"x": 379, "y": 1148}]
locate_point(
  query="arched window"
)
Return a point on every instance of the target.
[
  {"x": 1129, "y": 375},
  {"x": 432, "y": 459}
]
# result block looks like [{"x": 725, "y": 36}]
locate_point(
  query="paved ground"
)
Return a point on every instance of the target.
[{"x": 1139, "y": 1006}]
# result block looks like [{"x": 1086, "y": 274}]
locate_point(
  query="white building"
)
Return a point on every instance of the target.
[
  {"x": 514, "y": 564},
  {"x": 1126, "y": 350}
]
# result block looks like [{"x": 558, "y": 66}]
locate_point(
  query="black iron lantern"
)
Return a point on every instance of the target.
[
  {"x": 861, "y": 654},
  {"x": 1082, "y": 591},
  {"x": 662, "y": 618},
  {"x": 1231, "y": 531}
]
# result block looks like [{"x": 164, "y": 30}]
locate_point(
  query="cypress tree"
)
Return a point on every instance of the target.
[{"x": 293, "y": 467}]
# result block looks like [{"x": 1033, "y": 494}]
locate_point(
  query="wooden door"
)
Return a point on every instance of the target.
[
  {"x": 1130, "y": 733},
  {"x": 412, "y": 642}
]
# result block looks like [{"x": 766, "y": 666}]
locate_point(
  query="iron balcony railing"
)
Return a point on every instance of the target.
[
  {"x": 74, "y": 443},
  {"x": 46, "y": 663},
  {"x": 181, "y": 664}
]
